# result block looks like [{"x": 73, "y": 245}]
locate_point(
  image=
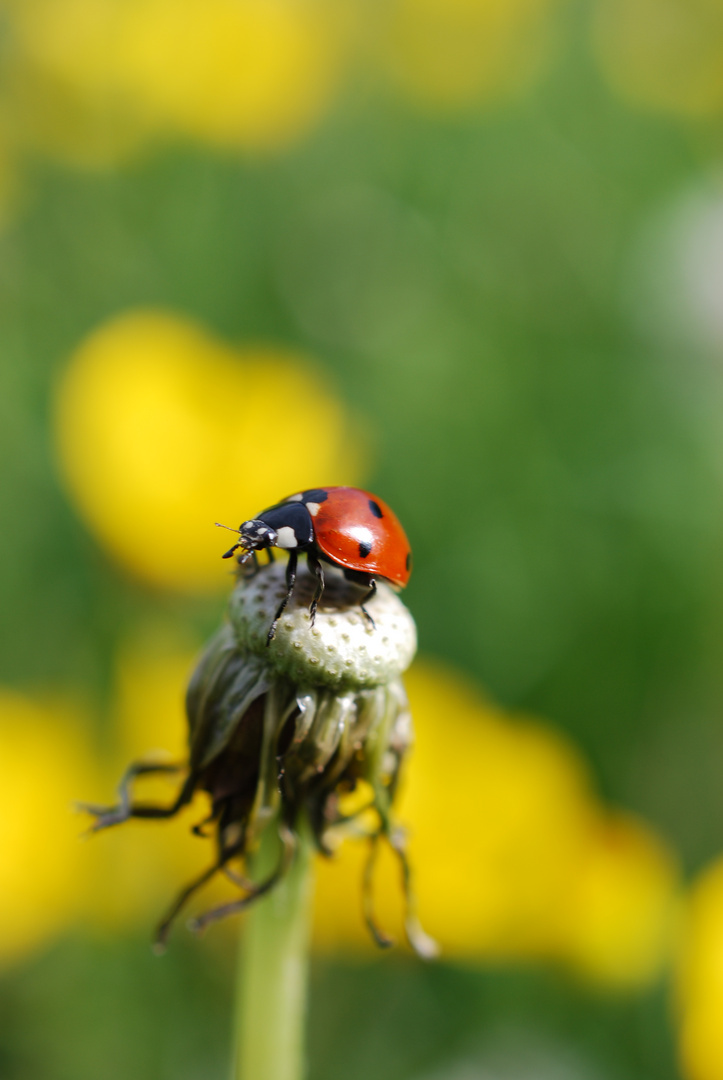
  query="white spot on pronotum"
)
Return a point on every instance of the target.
[
  {"x": 313, "y": 508},
  {"x": 295, "y": 498},
  {"x": 286, "y": 537}
]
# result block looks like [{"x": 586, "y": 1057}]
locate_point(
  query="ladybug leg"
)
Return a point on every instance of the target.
[
  {"x": 290, "y": 579},
  {"x": 316, "y": 569},
  {"x": 270, "y": 553},
  {"x": 369, "y": 596}
]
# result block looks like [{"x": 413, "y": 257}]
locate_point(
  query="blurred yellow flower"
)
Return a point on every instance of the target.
[
  {"x": 43, "y": 768},
  {"x": 251, "y": 73},
  {"x": 624, "y": 904},
  {"x": 162, "y": 430},
  {"x": 62, "y": 73},
  {"x": 152, "y": 670},
  {"x": 700, "y": 979},
  {"x": 663, "y": 54},
  {"x": 448, "y": 54},
  {"x": 247, "y": 73},
  {"x": 513, "y": 855}
]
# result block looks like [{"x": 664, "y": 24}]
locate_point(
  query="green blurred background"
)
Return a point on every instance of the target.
[{"x": 517, "y": 285}]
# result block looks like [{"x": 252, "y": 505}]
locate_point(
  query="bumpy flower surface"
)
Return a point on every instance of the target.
[{"x": 342, "y": 648}]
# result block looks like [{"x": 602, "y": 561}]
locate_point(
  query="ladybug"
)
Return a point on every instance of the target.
[{"x": 348, "y": 528}]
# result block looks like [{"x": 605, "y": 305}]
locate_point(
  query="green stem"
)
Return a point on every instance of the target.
[{"x": 273, "y": 967}]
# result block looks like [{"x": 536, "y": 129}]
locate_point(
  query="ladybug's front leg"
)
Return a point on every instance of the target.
[
  {"x": 290, "y": 579},
  {"x": 316, "y": 569}
]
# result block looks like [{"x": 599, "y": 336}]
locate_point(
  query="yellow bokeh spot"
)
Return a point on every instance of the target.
[
  {"x": 358, "y": 800},
  {"x": 252, "y": 73},
  {"x": 43, "y": 769},
  {"x": 152, "y": 671},
  {"x": 255, "y": 74},
  {"x": 509, "y": 818},
  {"x": 162, "y": 431},
  {"x": 449, "y": 54},
  {"x": 498, "y": 814},
  {"x": 663, "y": 54},
  {"x": 513, "y": 855},
  {"x": 700, "y": 979},
  {"x": 75, "y": 41},
  {"x": 624, "y": 905}
]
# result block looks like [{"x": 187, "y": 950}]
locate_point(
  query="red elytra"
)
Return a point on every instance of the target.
[{"x": 357, "y": 530}]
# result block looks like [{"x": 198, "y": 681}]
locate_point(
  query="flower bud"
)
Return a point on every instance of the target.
[
  {"x": 342, "y": 650},
  {"x": 284, "y": 729}
]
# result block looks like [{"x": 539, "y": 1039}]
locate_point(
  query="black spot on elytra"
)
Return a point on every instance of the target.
[
  {"x": 375, "y": 508},
  {"x": 364, "y": 548},
  {"x": 315, "y": 495},
  {"x": 409, "y": 560}
]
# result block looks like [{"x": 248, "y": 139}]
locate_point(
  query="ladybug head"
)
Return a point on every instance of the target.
[{"x": 254, "y": 535}]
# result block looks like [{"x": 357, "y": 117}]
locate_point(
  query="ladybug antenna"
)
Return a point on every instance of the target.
[{"x": 229, "y": 553}]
